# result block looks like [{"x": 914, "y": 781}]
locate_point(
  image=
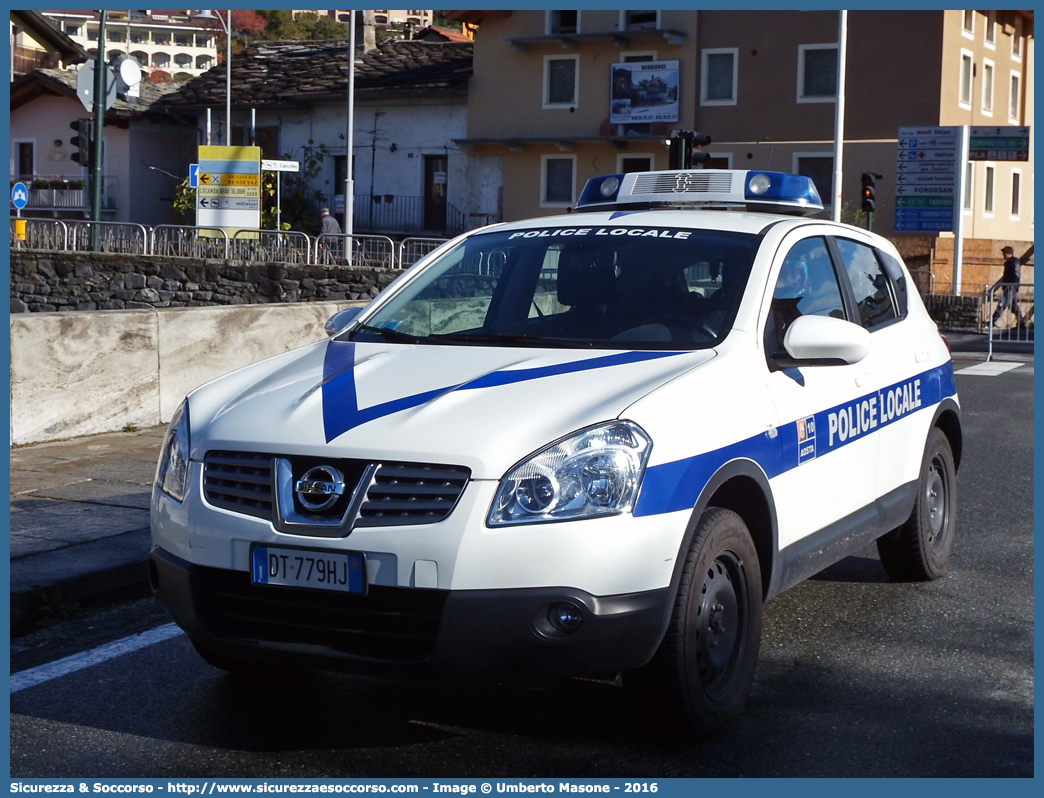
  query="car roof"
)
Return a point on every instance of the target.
[{"x": 732, "y": 221}]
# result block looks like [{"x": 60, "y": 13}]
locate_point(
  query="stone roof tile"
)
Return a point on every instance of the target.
[{"x": 296, "y": 73}]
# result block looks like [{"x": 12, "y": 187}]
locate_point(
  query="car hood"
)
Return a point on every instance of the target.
[{"x": 481, "y": 407}]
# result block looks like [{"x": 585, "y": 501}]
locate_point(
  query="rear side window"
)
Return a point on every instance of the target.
[
  {"x": 870, "y": 284},
  {"x": 898, "y": 274}
]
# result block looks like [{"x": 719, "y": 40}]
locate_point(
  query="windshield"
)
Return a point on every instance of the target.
[{"x": 598, "y": 287}]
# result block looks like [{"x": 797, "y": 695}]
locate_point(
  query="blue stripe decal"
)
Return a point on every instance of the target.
[
  {"x": 524, "y": 375},
  {"x": 341, "y": 410},
  {"x": 675, "y": 486}
]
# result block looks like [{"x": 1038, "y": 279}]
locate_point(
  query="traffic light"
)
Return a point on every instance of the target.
[
  {"x": 869, "y": 192},
  {"x": 681, "y": 152},
  {"x": 82, "y": 142}
]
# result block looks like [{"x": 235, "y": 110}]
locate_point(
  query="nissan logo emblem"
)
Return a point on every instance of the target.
[{"x": 319, "y": 488}]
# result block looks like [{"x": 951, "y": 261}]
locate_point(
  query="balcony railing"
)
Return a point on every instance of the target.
[
  {"x": 26, "y": 59},
  {"x": 66, "y": 193},
  {"x": 393, "y": 213}
]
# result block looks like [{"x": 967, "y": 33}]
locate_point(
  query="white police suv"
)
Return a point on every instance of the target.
[{"x": 586, "y": 444}]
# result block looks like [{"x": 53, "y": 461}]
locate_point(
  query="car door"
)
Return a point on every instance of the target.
[
  {"x": 899, "y": 358},
  {"x": 829, "y": 467}
]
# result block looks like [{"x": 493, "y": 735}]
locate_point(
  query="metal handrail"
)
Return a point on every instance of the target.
[
  {"x": 190, "y": 238},
  {"x": 931, "y": 280},
  {"x": 366, "y": 252},
  {"x": 115, "y": 227},
  {"x": 34, "y": 231},
  {"x": 1012, "y": 297},
  {"x": 412, "y": 250},
  {"x": 274, "y": 241}
]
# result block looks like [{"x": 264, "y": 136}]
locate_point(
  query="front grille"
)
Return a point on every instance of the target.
[
  {"x": 389, "y": 624},
  {"x": 398, "y": 494},
  {"x": 239, "y": 481},
  {"x": 698, "y": 182},
  {"x": 412, "y": 494}
]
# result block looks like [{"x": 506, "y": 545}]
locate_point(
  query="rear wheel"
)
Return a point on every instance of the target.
[
  {"x": 920, "y": 549},
  {"x": 705, "y": 666}
]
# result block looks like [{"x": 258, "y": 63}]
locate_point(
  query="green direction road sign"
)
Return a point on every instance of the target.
[{"x": 924, "y": 202}]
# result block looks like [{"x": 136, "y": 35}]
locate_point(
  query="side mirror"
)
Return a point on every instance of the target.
[
  {"x": 825, "y": 341},
  {"x": 341, "y": 320}
]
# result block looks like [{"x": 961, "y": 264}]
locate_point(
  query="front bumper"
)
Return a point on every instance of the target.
[{"x": 446, "y": 634}]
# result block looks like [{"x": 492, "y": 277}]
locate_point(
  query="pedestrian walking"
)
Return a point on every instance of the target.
[
  {"x": 1009, "y": 283},
  {"x": 330, "y": 227},
  {"x": 329, "y": 224}
]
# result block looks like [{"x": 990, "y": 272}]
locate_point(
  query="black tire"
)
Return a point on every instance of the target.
[
  {"x": 705, "y": 666},
  {"x": 920, "y": 549}
]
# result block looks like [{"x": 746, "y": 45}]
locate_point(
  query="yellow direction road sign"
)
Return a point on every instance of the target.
[
  {"x": 218, "y": 179},
  {"x": 228, "y": 191}
]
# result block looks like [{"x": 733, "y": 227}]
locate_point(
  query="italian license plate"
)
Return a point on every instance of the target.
[{"x": 311, "y": 568}]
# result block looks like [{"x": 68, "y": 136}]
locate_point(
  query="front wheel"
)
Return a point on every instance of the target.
[
  {"x": 920, "y": 549},
  {"x": 705, "y": 665}
]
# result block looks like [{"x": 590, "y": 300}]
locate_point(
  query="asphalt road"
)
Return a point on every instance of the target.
[{"x": 858, "y": 676}]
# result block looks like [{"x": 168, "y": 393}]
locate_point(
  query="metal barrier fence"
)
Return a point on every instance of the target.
[
  {"x": 124, "y": 238},
  {"x": 1010, "y": 310},
  {"x": 182, "y": 241},
  {"x": 412, "y": 250},
  {"x": 52, "y": 234},
  {"x": 924, "y": 280},
  {"x": 272, "y": 245},
  {"x": 367, "y": 252},
  {"x": 189, "y": 241}
]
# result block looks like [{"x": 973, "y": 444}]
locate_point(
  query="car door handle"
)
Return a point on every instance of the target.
[{"x": 863, "y": 379}]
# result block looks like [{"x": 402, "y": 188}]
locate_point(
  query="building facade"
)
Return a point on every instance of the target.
[
  {"x": 763, "y": 85},
  {"x": 166, "y": 44},
  {"x": 410, "y": 104}
]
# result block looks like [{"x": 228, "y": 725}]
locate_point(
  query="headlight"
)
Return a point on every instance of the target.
[
  {"x": 594, "y": 472},
  {"x": 172, "y": 470}
]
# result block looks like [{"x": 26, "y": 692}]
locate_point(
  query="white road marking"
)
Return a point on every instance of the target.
[
  {"x": 87, "y": 659},
  {"x": 992, "y": 368}
]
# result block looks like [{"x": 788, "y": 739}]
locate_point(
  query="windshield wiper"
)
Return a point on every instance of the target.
[
  {"x": 389, "y": 334},
  {"x": 521, "y": 340}
]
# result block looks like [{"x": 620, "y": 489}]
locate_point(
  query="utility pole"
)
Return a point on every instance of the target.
[{"x": 100, "y": 74}]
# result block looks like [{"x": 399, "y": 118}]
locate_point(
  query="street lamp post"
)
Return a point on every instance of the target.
[{"x": 209, "y": 15}]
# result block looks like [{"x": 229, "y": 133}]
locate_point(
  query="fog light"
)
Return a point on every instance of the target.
[{"x": 565, "y": 616}]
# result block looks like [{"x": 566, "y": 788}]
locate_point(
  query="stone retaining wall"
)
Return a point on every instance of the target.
[
  {"x": 60, "y": 281},
  {"x": 78, "y": 374}
]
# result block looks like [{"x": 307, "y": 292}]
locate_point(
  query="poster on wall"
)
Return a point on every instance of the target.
[{"x": 643, "y": 91}]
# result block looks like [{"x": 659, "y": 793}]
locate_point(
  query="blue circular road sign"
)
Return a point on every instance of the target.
[{"x": 19, "y": 195}]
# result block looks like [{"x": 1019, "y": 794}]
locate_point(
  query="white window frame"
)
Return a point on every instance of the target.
[
  {"x": 623, "y": 20},
  {"x": 1016, "y": 195},
  {"x": 544, "y": 203},
  {"x": 828, "y": 201},
  {"x": 545, "y": 90},
  {"x": 989, "y": 31},
  {"x": 968, "y": 200},
  {"x": 625, "y": 156},
  {"x": 802, "y": 49},
  {"x": 734, "y": 52},
  {"x": 986, "y": 86},
  {"x": 989, "y": 190},
  {"x": 968, "y": 33},
  {"x": 1016, "y": 39},
  {"x": 969, "y": 56},
  {"x": 1015, "y": 78},
  {"x": 548, "y": 27}
]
